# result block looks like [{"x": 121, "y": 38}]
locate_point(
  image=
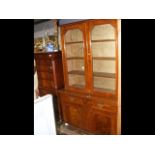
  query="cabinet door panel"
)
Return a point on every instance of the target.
[
  {"x": 73, "y": 114},
  {"x": 103, "y": 47},
  {"x": 74, "y": 56},
  {"x": 102, "y": 122},
  {"x": 75, "y": 111}
]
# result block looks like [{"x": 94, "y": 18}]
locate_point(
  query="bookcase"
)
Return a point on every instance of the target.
[{"x": 90, "y": 63}]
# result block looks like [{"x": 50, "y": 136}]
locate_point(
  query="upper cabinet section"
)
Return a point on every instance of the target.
[{"x": 90, "y": 56}]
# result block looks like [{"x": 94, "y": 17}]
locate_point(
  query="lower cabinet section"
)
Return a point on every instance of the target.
[
  {"x": 102, "y": 122},
  {"x": 94, "y": 115}
]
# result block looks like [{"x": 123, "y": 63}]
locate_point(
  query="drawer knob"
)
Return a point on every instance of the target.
[
  {"x": 50, "y": 67},
  {"x": 50, "y": 55}
]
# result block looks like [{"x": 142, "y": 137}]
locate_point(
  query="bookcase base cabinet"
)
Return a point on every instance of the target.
[{"x": 92, "y": 114}]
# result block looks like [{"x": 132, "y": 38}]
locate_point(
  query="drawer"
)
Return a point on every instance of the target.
[
  {"x": 43, "y": 62},
  {"x": 45, "y": 75},
  {"x": 43, "y": 56},
  {"x": 71, "y": 99},
  {"x": 104, "y": 104},
  {"x": 49, "y": 84},
  {"x": 45, "y": 68},
  {"x": 104, "y": 101}
]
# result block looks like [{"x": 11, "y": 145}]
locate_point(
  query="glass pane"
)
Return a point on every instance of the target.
[
  {"x": 104, "y": 57},
  {"x": 75, "y": 58},
  {"x": 103, "y": 49},
  {"x": 104, "y": 66},
  {"x": 74, "y": 50},
  {"x": 73, "y": 35},
  {"x": 104, "y": 84},
  {"x": 103, "y": 32},
  {"x": 76, "y": 80}
]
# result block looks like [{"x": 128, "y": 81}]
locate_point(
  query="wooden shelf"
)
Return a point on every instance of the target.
[
  {"x": 78, "y": 85},
  {"x": 98, "y": 74},
  {"x": 103, "y": 74},
  {"x": 103, "y": 40},
  {"x": 96, "y": 88},
  {"x": 78, "y": 72},
  {"x": 71, "y": 58},
  {"x": 74, "y": 42},
  {"x": 95, "y": 58},
  {"x": 104, "y": 58}
]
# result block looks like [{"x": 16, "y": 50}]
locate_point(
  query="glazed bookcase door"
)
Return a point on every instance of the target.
[
  {"x": 75, "y": 53},
  {"x": 103, "y": 52}
]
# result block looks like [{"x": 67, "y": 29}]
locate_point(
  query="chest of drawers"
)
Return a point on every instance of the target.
[
  {"x": 50, "y": 72},
  {"x": 50, "y": 76}
]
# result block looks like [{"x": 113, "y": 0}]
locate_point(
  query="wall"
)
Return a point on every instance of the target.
[
  {"x": 48, "y": 27},
  {"x": 67, "y": 21},
  {"x": 43, "y": 29}
]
